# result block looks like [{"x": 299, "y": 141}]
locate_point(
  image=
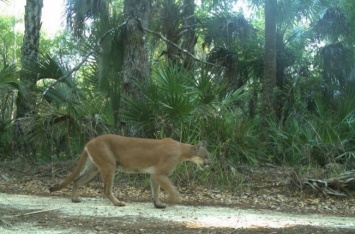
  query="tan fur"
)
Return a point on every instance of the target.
[{"x": 107, "y": 153}]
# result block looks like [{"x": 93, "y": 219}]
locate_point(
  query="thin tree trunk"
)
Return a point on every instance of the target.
[
  {"x": 190, "y": 39},
  {"x": 269, "y": 81},
  {"x": 26, "y": 101},
  {"x": 171, "y": 28}
]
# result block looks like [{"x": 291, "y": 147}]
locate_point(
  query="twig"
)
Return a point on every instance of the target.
[
  {"x": 339, "y": 182},
  {"x": 31, "y": 213},
  {"x": 77, "y": 67},
  {"x": 176, "y": 46},
  {"x": 34, "y": 212},
  {"x": 6, "y": 223}
]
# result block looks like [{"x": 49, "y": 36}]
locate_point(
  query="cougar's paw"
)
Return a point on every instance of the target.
[
  {"x": 75, "y": 200},
  {"x": 119, "y": 203},
  {"x": 52, "y": 188},
  {"x": 159, "y": 205}
]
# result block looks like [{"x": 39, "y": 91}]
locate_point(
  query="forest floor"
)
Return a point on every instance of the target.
[{"x": 266, "y": 205}]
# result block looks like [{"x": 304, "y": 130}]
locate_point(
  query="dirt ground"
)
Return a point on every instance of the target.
[{"x": 266, "y": 206}]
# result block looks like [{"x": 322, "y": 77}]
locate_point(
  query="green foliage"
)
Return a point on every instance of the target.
[
  {"x": 190, "y": 108},
  {"x": 60, "y": 133},
  {"x": 9, "y": 83},
  {"x": 105, "y": 75},
  {"x": 225, "y": 29},
  {"x": 326, "y": 136},
  {"x": 315, "y": 55},
  {"x": 9, "y": 78},
  {"x": 78, "y": 11},
  {"x": 333, "y": 25},
  {"x": 10, "y": 43},
  {"x": 168, "y": 98},
  {"x": 65, "y": 119}
]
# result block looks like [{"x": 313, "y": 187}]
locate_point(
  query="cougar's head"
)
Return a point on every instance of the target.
[{"x": 200, "y": 155}]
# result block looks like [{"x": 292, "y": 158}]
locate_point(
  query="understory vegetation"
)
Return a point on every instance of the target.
[{"x": 213, "y": 93}]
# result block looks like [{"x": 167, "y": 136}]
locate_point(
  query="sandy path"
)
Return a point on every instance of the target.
[{"x": 189, "y": 216}]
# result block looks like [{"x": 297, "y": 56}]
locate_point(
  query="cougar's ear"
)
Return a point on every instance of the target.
[
  {"x": 197, "y": 148},
  {"x": 202, "y": 144}
]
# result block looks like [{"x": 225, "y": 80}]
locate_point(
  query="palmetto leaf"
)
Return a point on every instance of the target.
[
  {"x": 168, "y": 100},
  {"x": 176, "y": 95},
  {"x": 209, "y": 89},
  {"x": 9, "y": 78},
  {"x": 140, "y": 114},
  {"x": 47, "y": 67},
  {"x": 62, "y": 94}
]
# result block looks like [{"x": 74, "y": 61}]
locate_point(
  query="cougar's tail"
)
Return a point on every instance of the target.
[{"x": 73, "y": 175}]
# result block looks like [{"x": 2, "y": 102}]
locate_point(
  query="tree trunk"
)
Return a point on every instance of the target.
[
  {"x": 171, "y": 29},
  {"x": 269, "y": 81},
  {"x": 29, "y": 53},
  {"x": 135, "y": 61},
  {"x": 135, "y": 52},
  {"x": 26, "y": 100},
  {"x": 190, "y": 39}
]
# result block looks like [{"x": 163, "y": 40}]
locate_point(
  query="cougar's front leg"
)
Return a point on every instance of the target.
[
  {"x": 164, "y": 182},
  {"x": 155, "y": 194}
]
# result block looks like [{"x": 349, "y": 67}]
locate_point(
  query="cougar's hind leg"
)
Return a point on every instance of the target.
[
  {"x": 155, "y": 194},
  {"x": 89, "y": 172},
  {"x": 108, "y": 176}
]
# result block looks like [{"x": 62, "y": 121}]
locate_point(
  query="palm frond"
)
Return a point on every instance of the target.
[
  {"x": 333, "y": 24},
  {"x": 224, "y": 28},
  {"x": 47, "y": 67},
  {"x": 9, "y": 78},
  {"x": 47, "y": 70},
  {"x": 209, "y": 88},
  {"x": 61, "y": 95},
  {"x": 79, "y": 11}
]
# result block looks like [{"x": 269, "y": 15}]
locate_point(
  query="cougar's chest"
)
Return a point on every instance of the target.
[{"x": 148, "y": 170}]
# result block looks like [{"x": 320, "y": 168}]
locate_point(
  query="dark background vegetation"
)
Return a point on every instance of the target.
[{"x": 279, "y": 91}]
